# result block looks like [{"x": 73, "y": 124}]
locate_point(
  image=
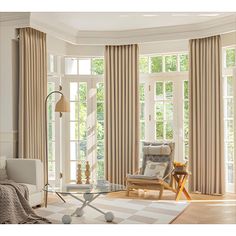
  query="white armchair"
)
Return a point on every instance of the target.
[{"x": 30, "y": 173}]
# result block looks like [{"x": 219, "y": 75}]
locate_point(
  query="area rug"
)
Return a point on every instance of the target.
[{"x": 126, "y": 211}]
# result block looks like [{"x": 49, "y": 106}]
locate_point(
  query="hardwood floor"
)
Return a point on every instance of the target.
[{"x": 203, "y": 209}]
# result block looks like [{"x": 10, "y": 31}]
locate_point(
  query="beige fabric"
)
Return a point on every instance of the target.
[
  {"x": 122, "y": 112},
  {"x": 155, "y": 169},
  {"x": 206, "y": 116},
  {"x": 32, "y": 92},
  {"x": 157, "y": 150}
]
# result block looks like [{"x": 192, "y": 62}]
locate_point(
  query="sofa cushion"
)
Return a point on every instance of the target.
[{"x": 32, "y": 188}]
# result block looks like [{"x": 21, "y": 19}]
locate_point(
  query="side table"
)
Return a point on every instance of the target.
[{"x": 180, "y": 177}]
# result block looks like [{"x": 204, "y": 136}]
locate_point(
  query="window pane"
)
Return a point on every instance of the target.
[
  {"x": 141, "y": 92},
  {"x": 51, "y": 131},
  {"x": 100, "y": 130},
  {"x": 74, "y": 111},
  {"x": 170, "y": 63},
  {"x": 186, "y": 110},
  {"x": 229, "y": 86},
  {"x": 71, "y": 66},
  {"x": 169, "y": 130},
  {"x": 51, "y": 87},
  {"x": 100, "y": 91},
  {"x": 186, "y": 129},
  {"x": 230, "y": 57},
  {"x": 143, "y": 65},
  {"x": 159, "y": 131},
  {"x": 51, "y": 111},
  {"x": 230, "y": 130},
  {"x": 159, "y": 111},
  {"x": 100, "y": 111},
  {"x": 51, "y": 151},
  {"x": 183, "y": 60},
  {"x": 74, "y": 151},
  {"x": 229, "y": 152},
  {"x": 100, "y": 150},
  {"x": 186, "y": 150},
  {"x": 142, "y": 112},
  {"x": 169, "y": 90},
  {"x": 51, "y": 170},
  {"x": 142, "y": 133},
  {"x": 185, "y": 89},
  {"x": 83, "y": 150},
  {"x": 84, "y": 66},
  {"x": 97, "y": 66},
  {"x": 73, "y": 169},
  {"x": 230, "y": 171},
  {"x": 159, "y": 90},
  {"x": 100, "y": 169},
  {"x": 74, "y": 130},
  {"x": 228, "y": 107},
  {"x": 156, "y": 64},
  {"x": 83, "y": 121},
  {"x": 74, "y": 91},
  {"x": 82, "y": 91},
  {"x": 169, "y": 110}
]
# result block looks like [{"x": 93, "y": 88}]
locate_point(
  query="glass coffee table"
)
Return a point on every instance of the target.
[{"x": 89, "y": 194}]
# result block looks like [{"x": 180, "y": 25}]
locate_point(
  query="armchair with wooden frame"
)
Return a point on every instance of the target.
[{"x": 155, "y": 152}]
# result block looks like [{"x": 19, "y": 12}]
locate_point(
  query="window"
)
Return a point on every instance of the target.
[
  {"x": 51, "y": 133},
  {"x": 84, "y": 66},
  {"x": 229, "y": 114},
  {"x": 100, "y": 130},
  {"x": 164, "y": 108},
  {"x": 78, "y": 126}
]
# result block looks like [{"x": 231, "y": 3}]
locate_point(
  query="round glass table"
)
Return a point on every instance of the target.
[{"x": 89, "y": 192}]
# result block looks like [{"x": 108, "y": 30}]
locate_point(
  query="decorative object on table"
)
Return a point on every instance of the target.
[
  {"x": 79, "y": 174},
  {"x": 61, "y": 106},
  {"x": 180, "y": 176},
  {"x": 180, "y": 167},
  {"x": 156, "y": 171},
  {"x": 87, "y": 173}
]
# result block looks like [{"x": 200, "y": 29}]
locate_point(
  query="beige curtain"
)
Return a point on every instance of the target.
[
  {"x": 122, "y": 112},
  {"x": 206, "y": 116},
  {"x": 32, "y": 92}
]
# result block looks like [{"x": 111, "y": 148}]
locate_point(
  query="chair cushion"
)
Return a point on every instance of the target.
[
  {"x": 156, "y": 169},
  {"x": 140, "y": 177},
  {"x": 157, "y": 150}
]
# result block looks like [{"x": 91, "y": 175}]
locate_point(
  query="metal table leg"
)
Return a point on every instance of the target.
[{"x": 88, "y": 198}]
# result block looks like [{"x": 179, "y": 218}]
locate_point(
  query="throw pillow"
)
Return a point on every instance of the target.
[
  {"x": 3, "y": 175},
  {"x": 3, "y": 172},
  {"x": 155, "y": 169}
]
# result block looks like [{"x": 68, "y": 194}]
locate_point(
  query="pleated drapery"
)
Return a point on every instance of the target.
[
  {"x": 32, "y": 92},
  {"x": 121, "y": 112},
  {"x": 206, "y": 138}
]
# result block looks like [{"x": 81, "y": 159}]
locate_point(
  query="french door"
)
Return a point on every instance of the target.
[{"x": 84, "y": 126}]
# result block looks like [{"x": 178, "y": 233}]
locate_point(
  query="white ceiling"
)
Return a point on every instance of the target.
[{"x": 121, "y": 21}]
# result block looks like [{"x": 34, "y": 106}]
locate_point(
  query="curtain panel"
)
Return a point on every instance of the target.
[
  {"x": 206, "y": 137},
  {"x": 32, "y": 92},
  {"x": 121, "y": 112}
]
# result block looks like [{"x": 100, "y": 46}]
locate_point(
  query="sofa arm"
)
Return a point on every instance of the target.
[{"x": 29, "y": 171}]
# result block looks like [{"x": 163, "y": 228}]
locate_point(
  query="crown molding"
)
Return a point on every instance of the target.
[
  {"x": 19, "y": 19},
  {"x": 188, "y": 31}
]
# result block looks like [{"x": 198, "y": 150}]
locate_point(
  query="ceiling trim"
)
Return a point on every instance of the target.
[{"x": 219, "y": 26}]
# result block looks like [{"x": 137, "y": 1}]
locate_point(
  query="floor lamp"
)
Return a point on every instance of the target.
[{"x": 61, "y": 106}]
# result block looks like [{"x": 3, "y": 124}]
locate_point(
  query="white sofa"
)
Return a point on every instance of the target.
[{"x": 30, "y": 173}]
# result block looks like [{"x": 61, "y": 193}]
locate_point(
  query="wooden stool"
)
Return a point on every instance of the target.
[{"x": 180, "y": 178}]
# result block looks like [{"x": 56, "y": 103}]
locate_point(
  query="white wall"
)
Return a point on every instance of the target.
[{"x": 8, "y": 90}]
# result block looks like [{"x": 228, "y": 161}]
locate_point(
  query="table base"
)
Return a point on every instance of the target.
[{"x": 88, "y": 198}]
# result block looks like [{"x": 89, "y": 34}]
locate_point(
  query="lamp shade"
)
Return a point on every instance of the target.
[{"x": 62, "y": 105}]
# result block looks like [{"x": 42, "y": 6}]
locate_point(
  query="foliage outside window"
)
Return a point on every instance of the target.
[
  {"x": 186, "y": 119},
  {"x": 230, "y": 57},
  {"x": 156, "y": 64},
  {"x": 143, "y": 65}
]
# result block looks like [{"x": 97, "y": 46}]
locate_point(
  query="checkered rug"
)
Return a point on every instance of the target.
[{"x": 126, "y": 211}]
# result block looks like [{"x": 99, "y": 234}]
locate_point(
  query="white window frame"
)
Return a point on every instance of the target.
[{"x": 231, "y": 71}]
